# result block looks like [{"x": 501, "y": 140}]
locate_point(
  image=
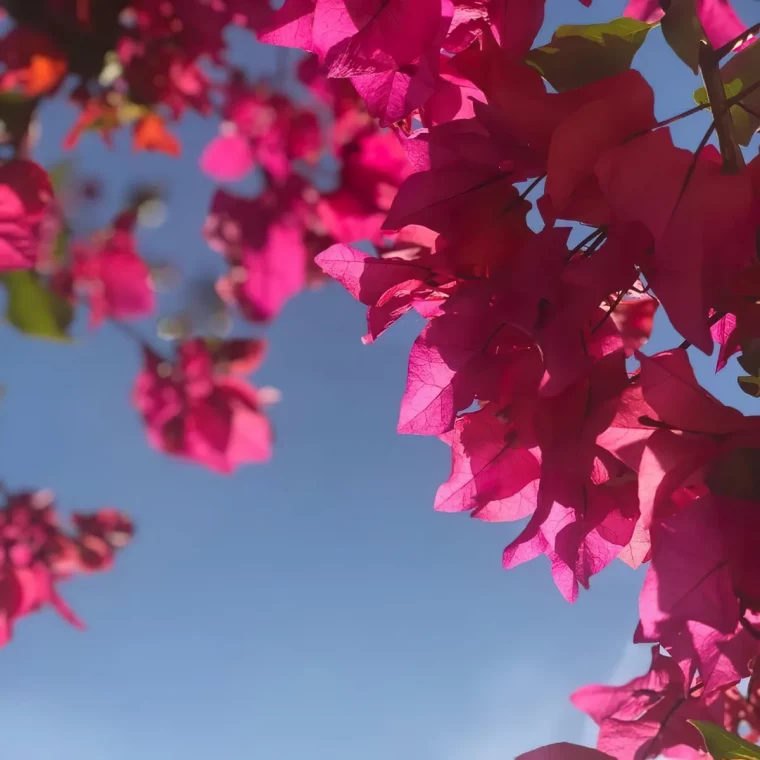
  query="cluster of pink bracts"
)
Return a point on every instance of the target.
[
  {"x": 643, "y": 466},
  {"x": 540, "y": 333},
  {"x": 36, "y": 554}
]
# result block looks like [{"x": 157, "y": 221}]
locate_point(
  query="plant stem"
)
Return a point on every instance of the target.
[
  {"x": 595, "y": 239},
  {"x": 523, "y": 195},
  {"x": 680, "y": 116},
  {"x": 528, "y": 190},
  {"x": 743, "y": 94},
  {"x": 618, "y": 300},
  {"x": 733, "y": 161}
]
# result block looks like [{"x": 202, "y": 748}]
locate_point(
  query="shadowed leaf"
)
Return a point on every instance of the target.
[
  {"x": 581, "y": 54},
  {"x": 741, "y": 71}
]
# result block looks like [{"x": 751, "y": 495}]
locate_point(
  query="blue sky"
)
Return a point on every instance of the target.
[{"x": 315, "y": 607}]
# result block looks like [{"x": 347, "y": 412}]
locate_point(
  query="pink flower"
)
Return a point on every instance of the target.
[
  {"x": 36, "y": 554},
  {"x": 197, "y": 409},
  {"x": 374, "y": 166},
  {"x": 260, "y": 129},
  {"x": 266, "y": 241},
  {"x": 647, "y": 716},
  {"x": 26, "y": 211},
  {"x": 109, "y": 273},
  {"x": 389, "y": 48},
  {"x": 356, "y": 38},
  {"x": 390, "y": 285}
]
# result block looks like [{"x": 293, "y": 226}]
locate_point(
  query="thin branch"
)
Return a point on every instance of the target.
[
  {"x": 523, "y": 195},
  {"x": 648, "y": 421},
  {"x": 609, "y": 313},
  {"x": 743, "y": 94},
  {"x": 588, "y": 239},
  {"x": 735, "y": 100},
  {"x": 592, "y": 239},
  {"x": 682, "y": 115},
  {"x": 528, "y": 190},
  {"x": 643, "y": 290},
  {"x": 595, "y": 245},
  {"x": 733, "y": 160},
  {"x": 668, "y": 121},
  {"x": 724, "y": 50}
]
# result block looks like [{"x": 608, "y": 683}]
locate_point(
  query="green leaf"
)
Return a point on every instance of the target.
[
  {"x": 581, "y": 54},
  {"x": 683, "y": 32},
  {"x": 741, "y": 71},
  {"x": 723, "y": 745},
  {"x": 34, "y": 309}
]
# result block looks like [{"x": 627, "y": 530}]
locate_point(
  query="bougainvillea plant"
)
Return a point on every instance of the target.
[
  {"x": 612, "y": 453},
  {"x": 527, "y": 203}
]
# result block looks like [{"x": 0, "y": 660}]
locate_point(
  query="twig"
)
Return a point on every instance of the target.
[
  {"x": 743, "y": 94},
  {"x": 735, "y": 100},
  {"x": 682, "y": 115},
  {"x": 608, "y": 314},
  {"x": 523, "y": 195},
  {"x": 528, "y": 190},
  {"x": 733, "y": 161},
  {"x": 595, "y": 239},
  {"x": 595, "y": 244}
]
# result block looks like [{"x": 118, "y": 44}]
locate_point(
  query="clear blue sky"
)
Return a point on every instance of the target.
[{"x": 316, "y": 607}]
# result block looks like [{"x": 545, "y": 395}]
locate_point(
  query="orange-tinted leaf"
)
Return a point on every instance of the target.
[
  {"x": 96, "y": 115},
  {"x": 150, "y": 133},
  {"x": 44, "y": 74}
]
